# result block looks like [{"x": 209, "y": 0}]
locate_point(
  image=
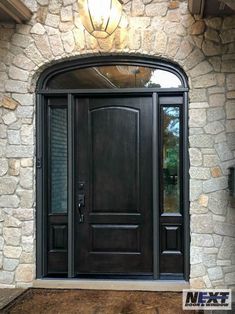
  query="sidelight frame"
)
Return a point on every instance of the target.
[{"x": 41, "y": 151}]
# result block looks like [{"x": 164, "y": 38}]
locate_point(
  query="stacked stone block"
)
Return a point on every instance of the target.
[{"x": 205, "y": 49}]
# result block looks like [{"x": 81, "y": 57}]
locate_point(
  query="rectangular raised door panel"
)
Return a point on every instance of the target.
[
  {"x": 58, "y": 237},
  {"x": 171, "y": 238},
  {"x": 115, "y": 238},
  {"x": 113, "y": 157}
]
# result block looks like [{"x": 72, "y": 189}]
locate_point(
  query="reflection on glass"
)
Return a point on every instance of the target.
[
  {"x": 115, "y": 76},
  {"x": 170, "y": 162},
  {"x": 58, "y": 159}
]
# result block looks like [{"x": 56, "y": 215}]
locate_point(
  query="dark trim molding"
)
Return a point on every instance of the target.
[
  {"x": 71, "y": 182},
  {"x": 41, "y": 118},
  {"x": 196, "y": 7},
  {"x": 15, "y": 10},
  {"x": 155, "y": 188},
  {"x": 217, "y": 8},
  {"x": 84, "y": 62},
  {"x": 185, "y": 189}
]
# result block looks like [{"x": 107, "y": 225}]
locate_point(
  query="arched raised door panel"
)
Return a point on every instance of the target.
[{"x": 112, "y": 169}]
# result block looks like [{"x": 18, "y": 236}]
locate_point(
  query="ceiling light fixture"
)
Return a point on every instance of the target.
[{"x": 100, "y": 17}]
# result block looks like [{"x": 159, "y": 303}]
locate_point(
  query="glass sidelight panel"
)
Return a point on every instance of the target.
[
  {"x": 171, "y": 218},
  {"x": 58, "y": 159},
  {"x": 170, "y": 159}
]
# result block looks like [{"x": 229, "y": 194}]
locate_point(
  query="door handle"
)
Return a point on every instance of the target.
[{"x": 81, "y": 204}]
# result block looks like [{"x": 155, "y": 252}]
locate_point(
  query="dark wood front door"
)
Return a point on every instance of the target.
[{"x": 113, "y": 186}]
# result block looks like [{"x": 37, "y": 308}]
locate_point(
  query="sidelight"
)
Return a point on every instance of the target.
[
  {"x": 170, "y": 158},
  {"x": 58, "y": 159}
]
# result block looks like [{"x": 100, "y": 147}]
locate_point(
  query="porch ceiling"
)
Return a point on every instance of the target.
[
  {"x": 207, "y": 8},
  {"x": 14, "y": 11}
]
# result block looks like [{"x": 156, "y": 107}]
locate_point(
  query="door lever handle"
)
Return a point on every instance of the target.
[
  {"x": 81, "y": 204},
  {"x": 81, "y": 216}
]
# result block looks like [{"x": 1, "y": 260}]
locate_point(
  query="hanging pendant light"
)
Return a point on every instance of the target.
[{"x": 100, "y": 17}]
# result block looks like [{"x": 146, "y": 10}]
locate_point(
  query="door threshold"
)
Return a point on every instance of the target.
[{"x": 98, "y": 284}]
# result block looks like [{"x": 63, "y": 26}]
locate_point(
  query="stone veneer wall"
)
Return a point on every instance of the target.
[{"x": 161, "y": 28}]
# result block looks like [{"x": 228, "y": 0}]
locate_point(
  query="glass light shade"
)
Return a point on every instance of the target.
[{"x": 100, "y": 17}]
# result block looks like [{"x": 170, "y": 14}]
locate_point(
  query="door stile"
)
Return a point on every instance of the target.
[
  {"x": 44, "y": 182},
  {"x": 185, "y": 188},
  {"x": 41, "y": 268},
  {"x": 156, "y": 246},
  {"x": 71, "y": 203}
]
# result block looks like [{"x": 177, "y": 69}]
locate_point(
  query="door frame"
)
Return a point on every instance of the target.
[{"x": 41, "y": 152}]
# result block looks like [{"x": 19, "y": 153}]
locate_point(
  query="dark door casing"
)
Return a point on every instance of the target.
[
  {"x": 113, "y": 226},
  {"x": 116, "y": 170}
]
